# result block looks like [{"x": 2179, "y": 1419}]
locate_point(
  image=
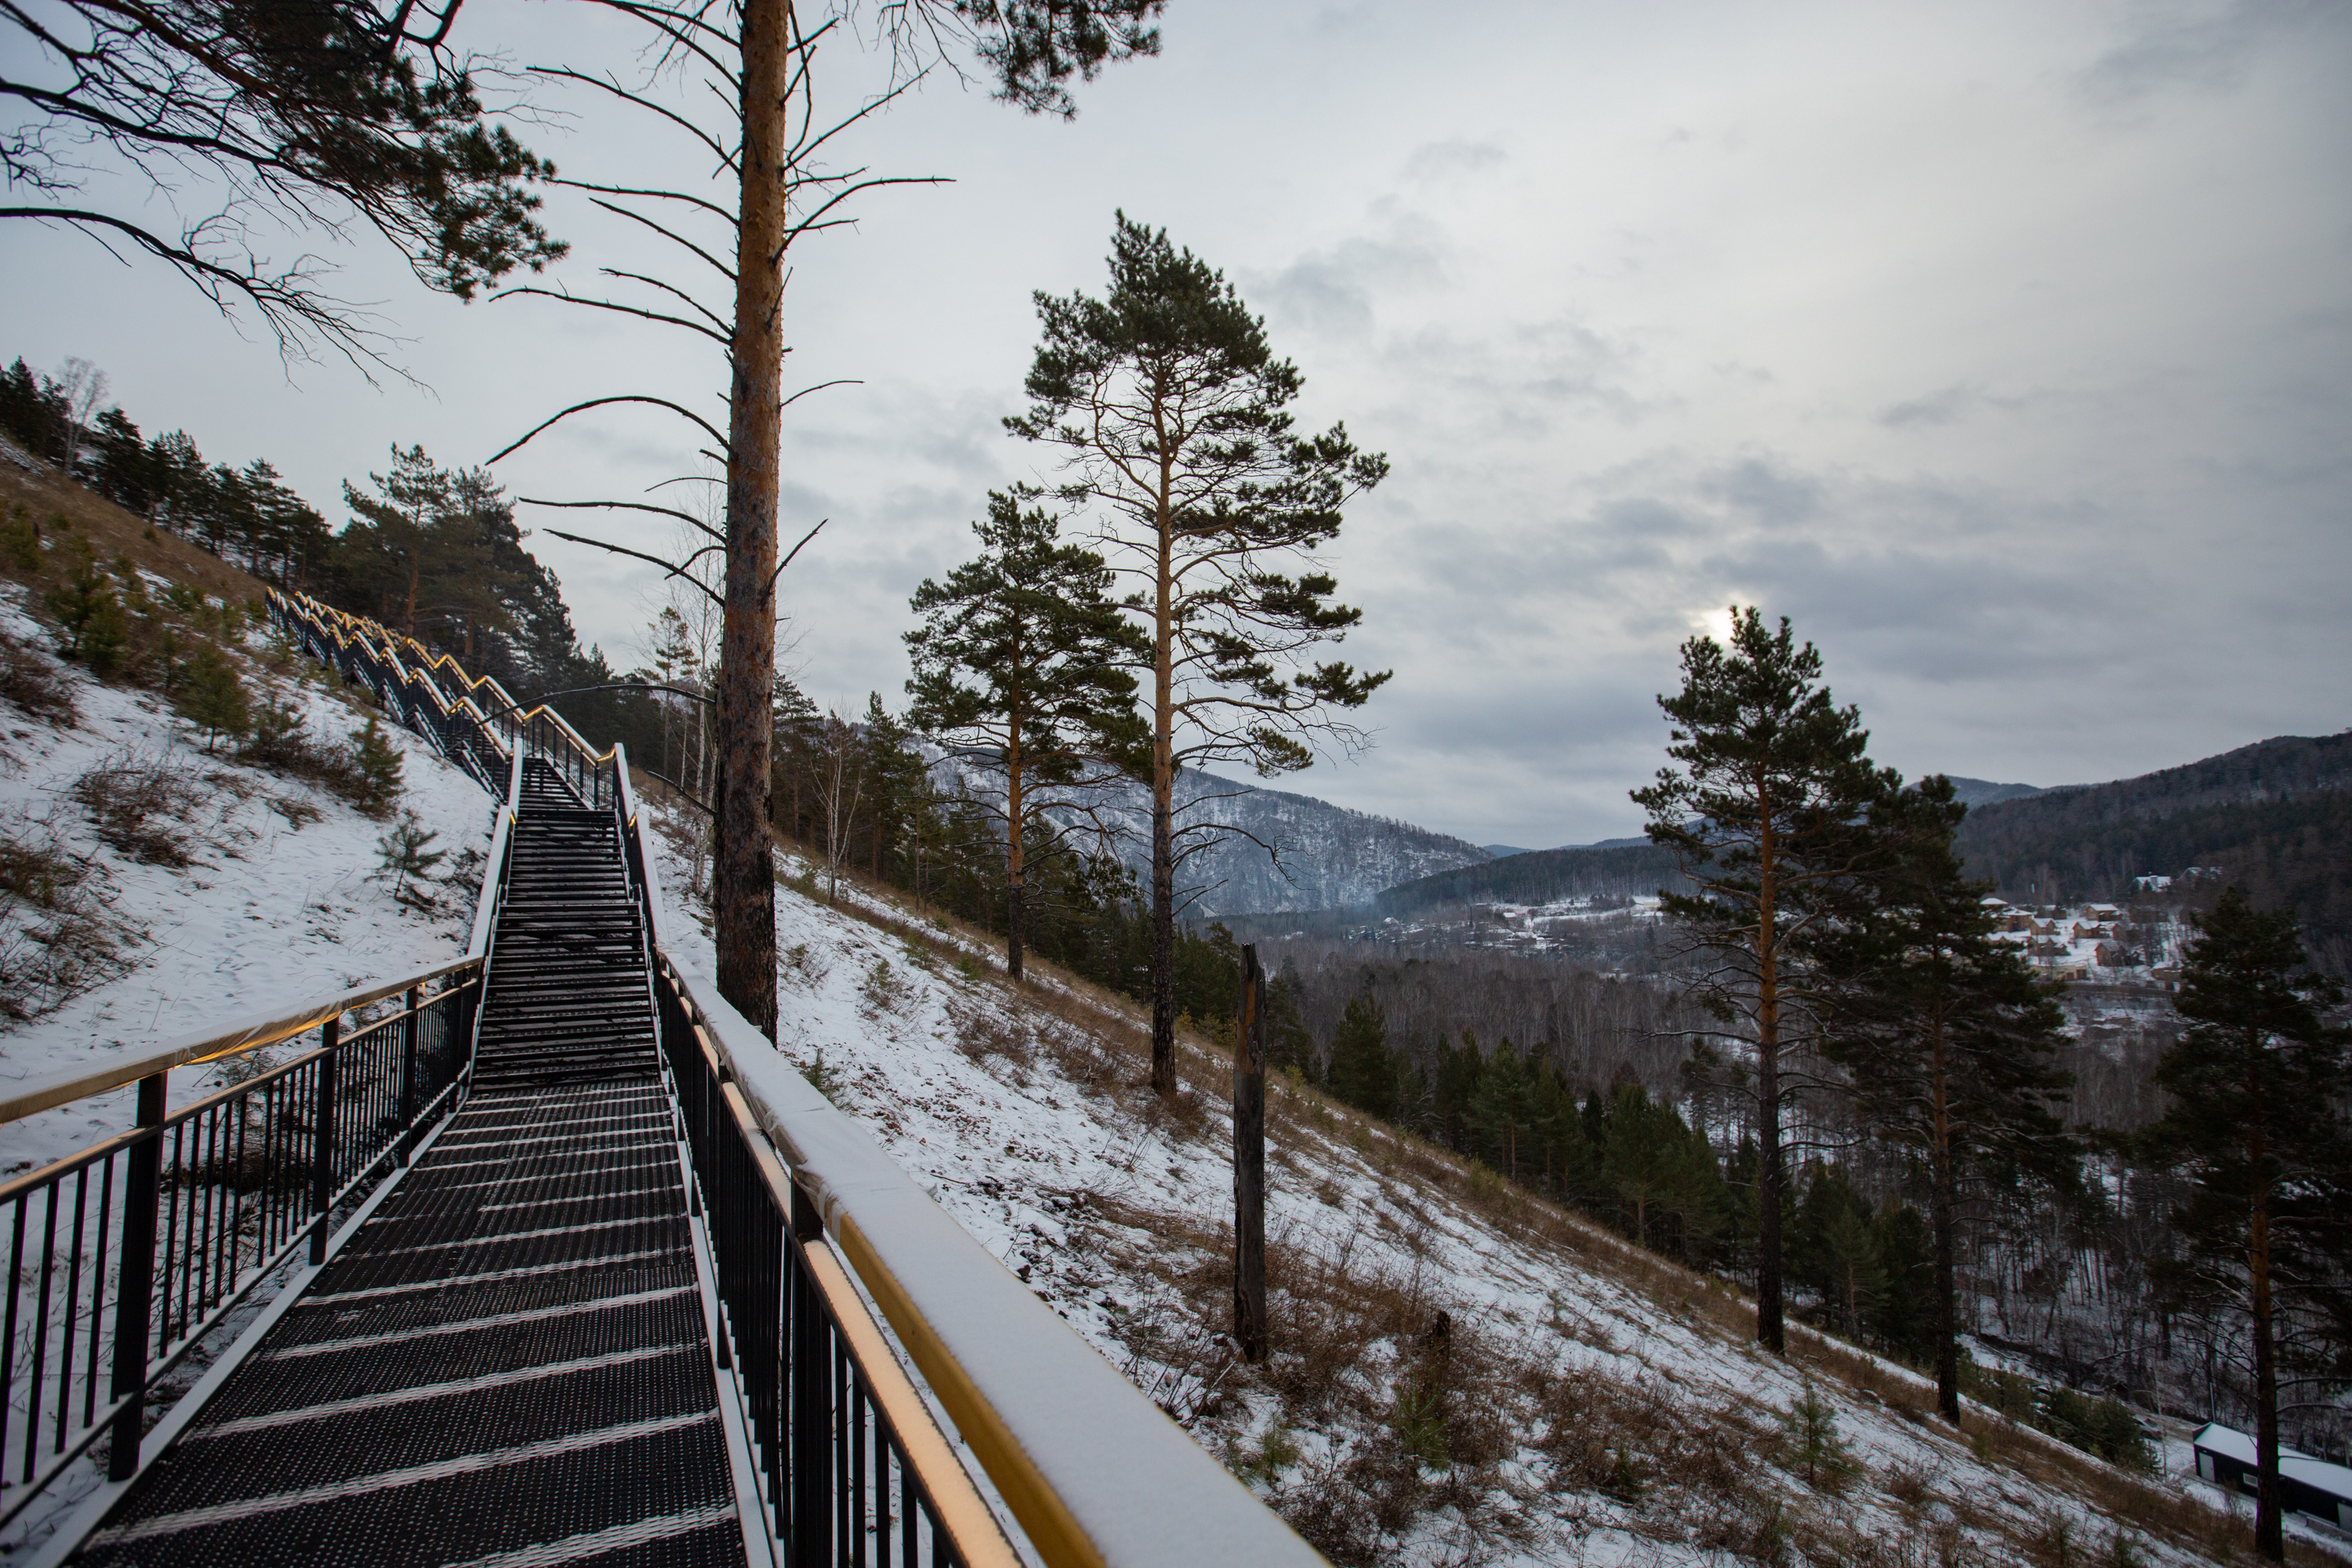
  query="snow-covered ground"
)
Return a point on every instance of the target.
[
  {"x": 1460, "y": 1375},
  {"x": 278, "y": 904}
]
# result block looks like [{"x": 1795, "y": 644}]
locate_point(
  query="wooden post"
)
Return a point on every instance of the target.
[{"x": 1249, "y": 1162}]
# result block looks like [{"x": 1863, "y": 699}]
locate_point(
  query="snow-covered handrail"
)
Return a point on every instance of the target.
[{"x": 1094, "y": 1471}]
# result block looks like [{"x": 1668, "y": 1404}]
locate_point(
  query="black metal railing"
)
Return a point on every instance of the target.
[
  {"x": 471, "y": 720},
  {"x": 853, "y": 1468},
  {"x": 124, "y": 1257}
]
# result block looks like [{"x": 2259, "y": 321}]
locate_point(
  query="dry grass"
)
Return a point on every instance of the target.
[
  {"x": 35, "y": 684},
  {"x": 57, "y": 938},
  {"x": 113, "y": 532},
  {"x": 137, "y": 808}
]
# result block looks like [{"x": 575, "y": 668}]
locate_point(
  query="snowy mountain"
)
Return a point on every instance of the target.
[
  {"x": 1323, "y": 856},
  {"x": 1984, "y": 792}
]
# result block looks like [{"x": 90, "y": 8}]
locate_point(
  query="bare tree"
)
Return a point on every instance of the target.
[
  {"x": 840, "y": 788},
  {"x": 83, "y": 386},
  {"x": 774, "y": 146}
]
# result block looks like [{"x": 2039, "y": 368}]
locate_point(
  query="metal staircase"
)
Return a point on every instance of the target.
[
  {"x": 509, "y": 1362},
  {"x": 592, "y": 1274},
  {"x": 569, "y": 996}
]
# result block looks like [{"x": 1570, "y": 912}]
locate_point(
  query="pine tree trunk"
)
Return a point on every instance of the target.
[
  {"x": 1769, "y": 1332},
  {"x": 1942, "y": 1207},
  {"x": 2270, "y": 1540},
  {"x": 1163, "y": 947},
  {"x": 1163, "y": 794},
  {"x": 1249, "y": 1162},
  {"x": 743, "y": 874}
]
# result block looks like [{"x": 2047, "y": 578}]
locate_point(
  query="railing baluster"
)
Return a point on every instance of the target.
[
  {"x": 16, "y": 1290},
  {"x": 167, "y": 1237},
  {"x": 135, "y": 1299},
  {"x": 322, "y": 1139},
  {"x": 908, "y": 1506},
  {"x": 844, "y": 1521},
  {"x": 857, "y": 1469},
  {"x": 98, "y": 1290},
  {"x": 73, "y": 1306},
  {"x": 201, "y": 1235},
  {"x": 40, "y": 1336},
  {"x": 410, "y": 1028}
]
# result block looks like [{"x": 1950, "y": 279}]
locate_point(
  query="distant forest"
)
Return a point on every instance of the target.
[
  {"x": 2274, "y": 819},
  {"x": 1539, "y": 877}
]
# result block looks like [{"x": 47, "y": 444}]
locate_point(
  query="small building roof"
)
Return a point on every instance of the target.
[{"x": 2294, "y": 1465}]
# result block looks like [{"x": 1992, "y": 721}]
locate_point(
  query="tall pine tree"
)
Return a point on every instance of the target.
[
  {"x": 1946, "y": 1034},
  {"x": 1024, "y": 658},
  {"x": 1759, "y": 816},
  {"x": 1170, "y": 412},
  {"x": 2257, "y": 1124}
]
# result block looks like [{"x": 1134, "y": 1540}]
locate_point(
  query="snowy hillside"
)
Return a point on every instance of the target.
[
  {"x": 1329, "y": 857},
  {"x": 197, "y": 888},
  {"x": 1461, "y": 1374}
]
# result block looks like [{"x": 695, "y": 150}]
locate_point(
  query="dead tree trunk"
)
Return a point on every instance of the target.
[
  {"x": 1249, "y": 1164},
  {"x": 743, "y": 875}
]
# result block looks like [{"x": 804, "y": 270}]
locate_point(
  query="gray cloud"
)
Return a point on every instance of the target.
[
  {"x": 2214, "y": 53},
  {"x": 1330, "y": 293},
  {"x": 1452, "y": 160}
]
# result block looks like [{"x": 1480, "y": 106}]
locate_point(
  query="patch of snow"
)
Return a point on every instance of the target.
[{"x": 279, "y": 904}]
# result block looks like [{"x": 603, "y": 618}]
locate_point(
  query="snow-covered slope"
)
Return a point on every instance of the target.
[
  {"x": 1460, "y": 1375},
  {"x": 276, "y": 902}
]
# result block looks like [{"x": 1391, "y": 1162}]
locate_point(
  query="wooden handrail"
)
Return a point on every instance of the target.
[{"x": 248, "y": 1034}]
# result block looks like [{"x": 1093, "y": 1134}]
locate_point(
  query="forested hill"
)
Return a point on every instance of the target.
[
  {"x": 1616, "y": 870},
  {"x": 433, "y": 553},
  {"x": 2274, "y": 817}
]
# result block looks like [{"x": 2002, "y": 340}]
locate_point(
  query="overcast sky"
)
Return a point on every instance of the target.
[{"x": 2004, "y": 347}]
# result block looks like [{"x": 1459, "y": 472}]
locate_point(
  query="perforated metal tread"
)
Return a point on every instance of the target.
[
  {"x": 506, "y": 1366},
  {"x": 568, "y": 996}
]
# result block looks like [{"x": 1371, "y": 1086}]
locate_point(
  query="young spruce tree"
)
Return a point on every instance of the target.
[
  {"x": 2257, "y": 1124},
  {"x": 1946, "y": 1034},
  {"x": 1759, "y": 815},
  {"x": 1171, "y": 413},
  {"x": 1023, "y": 659}
]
